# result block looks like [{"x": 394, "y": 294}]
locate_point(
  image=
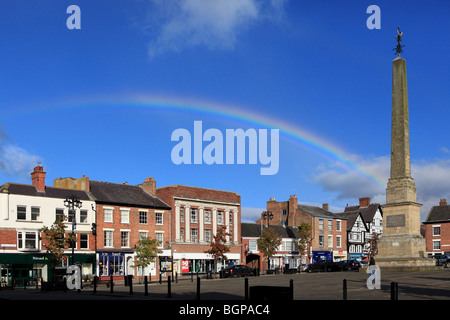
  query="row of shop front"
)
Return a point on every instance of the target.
[{"x": 20, "y": 269}]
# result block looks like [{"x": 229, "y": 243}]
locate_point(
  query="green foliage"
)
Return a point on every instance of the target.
[
  {"x": 56, "y": 240},
  {"x": 146, "y": 251},
  {"x": 217, "y": 245},
  {"x": 305, "y": 237},
  {"x": 268, "y": 242}
]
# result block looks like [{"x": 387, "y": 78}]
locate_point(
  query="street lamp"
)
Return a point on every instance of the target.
[
  {"x": 71, "y": 203},
  {"x": 267, "y": 215}
]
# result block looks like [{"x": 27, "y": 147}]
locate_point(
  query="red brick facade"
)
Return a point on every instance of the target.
[{"x": 184, "y": 199}]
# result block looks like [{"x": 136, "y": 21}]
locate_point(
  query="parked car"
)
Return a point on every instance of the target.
[
  {"x": 323, "y": 265},
  {"x": 237, "y": 271},
  {"x": 343, "y": 264},
  {"x": 354, "y": 264},
  {"x": 441, "y": 259}
]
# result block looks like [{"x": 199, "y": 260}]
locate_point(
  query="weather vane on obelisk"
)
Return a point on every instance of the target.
[{"x": 399, "y": 38}]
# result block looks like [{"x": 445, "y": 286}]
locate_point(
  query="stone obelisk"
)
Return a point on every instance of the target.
[{"x": 401, "y": 247}]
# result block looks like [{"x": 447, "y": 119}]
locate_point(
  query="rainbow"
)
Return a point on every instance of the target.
[{"x": 288, "y": 131}]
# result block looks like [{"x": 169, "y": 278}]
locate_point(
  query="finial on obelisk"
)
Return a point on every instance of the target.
[{"x": 399, "y": 38}]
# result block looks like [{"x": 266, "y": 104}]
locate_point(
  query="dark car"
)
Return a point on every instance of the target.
[
  {"x": 353, "y": 264},
  {"x": 323, "y": 265},
  {"x": 237, "y": 271},
  {"x": 441, "y": 259}
]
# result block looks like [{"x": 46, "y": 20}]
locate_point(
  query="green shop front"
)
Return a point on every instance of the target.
[{"x": 20, "y": 269}]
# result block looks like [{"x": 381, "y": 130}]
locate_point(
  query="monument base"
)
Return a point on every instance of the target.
[{"x": 403, "y": 252}]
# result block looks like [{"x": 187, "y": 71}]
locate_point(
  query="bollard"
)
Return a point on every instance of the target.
[
  {"x": 160, "y": 278},
  {"x": 198, "y": 288},
  {"x": 394, "y": 290},
  {"x": 291, "y": 289},
  {"x": 111, "y": 285},
  {"x": 176, "y": 276},
  {"x": 169, "y": 288},
  {"x": 192, "y": 277},
  {"x": 145, "y": 286},
  {"x": 95, "y": 284},
  {"x": 130, "y": 283},
  {"x": 246, "y": 288},
  {"x": 344, "y": 288}
]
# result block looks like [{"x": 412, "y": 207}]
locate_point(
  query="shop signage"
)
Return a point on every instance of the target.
[{"x": 184, "y": 265}]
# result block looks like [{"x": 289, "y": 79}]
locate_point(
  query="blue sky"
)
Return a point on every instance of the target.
[{"x": 68, "y": 96}]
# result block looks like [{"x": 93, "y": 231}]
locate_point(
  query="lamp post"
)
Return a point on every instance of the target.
[
  {"x": 71, "y": 203},
  {"x": 267, "y": 215}
]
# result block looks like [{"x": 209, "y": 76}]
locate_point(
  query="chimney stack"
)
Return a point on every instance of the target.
[
  {"x": 38, "y": 178},
  {"x": 364, "y": 202},
  {"x": 443, "y": 202},
  {"x": 325, "y": 206},
  {"x": 149, "y": 186}
]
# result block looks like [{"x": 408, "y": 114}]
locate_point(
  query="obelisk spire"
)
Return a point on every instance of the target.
[{"x": 401, "y": 186}]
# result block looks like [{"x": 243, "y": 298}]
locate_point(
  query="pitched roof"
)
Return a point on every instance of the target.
[
  {"x": 367, "y": 212},
  {"x": 253, "y": 230},
  {"x": 50, "y": 192},
  {"x": 124, "y": 194},
  {"x": 315, "y": 211},
  {"x": 438, "y": 213}
]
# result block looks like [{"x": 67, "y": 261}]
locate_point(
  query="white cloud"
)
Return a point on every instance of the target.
[
  {"x": 15, "y": 161},
  {"x": 213, "y": 24},
  {"x": 432, "y": 181},
  {"x": 251, "y": 214}
]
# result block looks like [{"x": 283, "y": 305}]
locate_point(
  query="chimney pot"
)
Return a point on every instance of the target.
[
  {"x": 364, "y": 202},
  {"x": 443, "y": 202},
  {"x": 38, "y": 178}
]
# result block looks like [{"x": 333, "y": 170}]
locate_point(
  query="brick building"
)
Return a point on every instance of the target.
[
  {"x": 196, "y": 214},
  {"x": 125, "y": 214},
  {"x": 24, "y": 210},
  {"x": 437, "y": 229},
  {"x": 329, "y": 232},
  {"x": 287, "y": 256}
]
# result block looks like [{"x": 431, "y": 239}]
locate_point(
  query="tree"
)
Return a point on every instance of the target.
[
  {"x": 56, "y": 241},
  {"x": 218, "y": 248},
  {"x": 304, "y": 240},
  {"x": 373, "y": 245},
  {"x": 146, "y": 252},
  {"x": 268, "y": 243}
]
